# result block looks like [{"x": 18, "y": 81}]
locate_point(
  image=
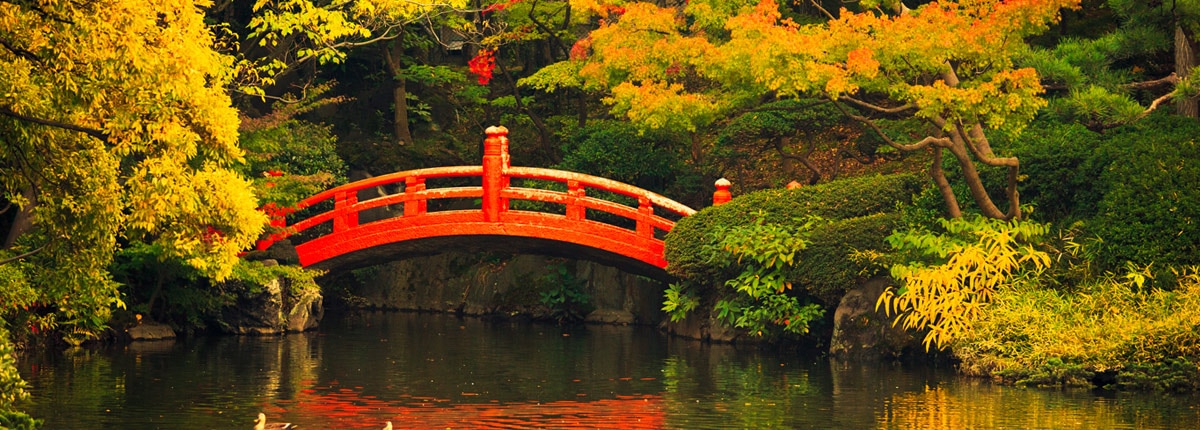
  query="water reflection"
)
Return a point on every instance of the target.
[{"x": 433, "y": 371}]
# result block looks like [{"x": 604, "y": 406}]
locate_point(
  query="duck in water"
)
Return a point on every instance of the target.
[{"x": 261, "y": 424}]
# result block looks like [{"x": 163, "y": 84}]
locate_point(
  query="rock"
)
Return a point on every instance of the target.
[
  {"x": 150, "y": 331},
  {"x": 610, "y": 316},
  {"x": 861, "y": 333},
  {"x": 278, "y": 307},
  {"x": 700, "y": 327}
]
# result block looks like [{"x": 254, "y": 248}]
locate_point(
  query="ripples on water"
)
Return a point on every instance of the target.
[{"x": 435, "y": 371}]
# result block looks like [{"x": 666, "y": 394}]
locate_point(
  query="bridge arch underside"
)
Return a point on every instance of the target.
[{"x": 517, "y": 232}]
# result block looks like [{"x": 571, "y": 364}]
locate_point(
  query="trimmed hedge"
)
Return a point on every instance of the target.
[
  {"x": 856, "y": 211},
  {"x": 1150, "y": 211}
]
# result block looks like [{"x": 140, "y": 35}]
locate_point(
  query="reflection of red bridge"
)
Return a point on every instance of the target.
[{"x": 631, "y": 240}]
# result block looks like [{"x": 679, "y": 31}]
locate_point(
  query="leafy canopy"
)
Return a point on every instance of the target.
[{"x": 115, "y": 125}]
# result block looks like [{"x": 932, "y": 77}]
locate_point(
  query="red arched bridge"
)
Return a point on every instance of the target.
[{"x": 498, "y": 216}]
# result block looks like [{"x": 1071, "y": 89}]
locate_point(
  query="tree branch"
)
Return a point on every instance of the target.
[
  {"x": 822, "y": 9},
  {"x": 880, "y": 109},
  {"x": 1171, "y": 79},
  {"x": 927, "y": 141},
  {"x": 96, "y": 133},
  {"x": 27, "y": 254},
  {"x": 1154, "y": 105},
  {"x": 20, "y": 52}
]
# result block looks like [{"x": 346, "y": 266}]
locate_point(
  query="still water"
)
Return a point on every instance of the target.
[{"x": 435, "y": 371}]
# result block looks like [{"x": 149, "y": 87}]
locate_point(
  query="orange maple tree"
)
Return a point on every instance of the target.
[{"x": 948, "y": 64}]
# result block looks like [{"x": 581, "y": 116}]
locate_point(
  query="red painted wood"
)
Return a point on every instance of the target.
[{"x": 494, "y": 218}]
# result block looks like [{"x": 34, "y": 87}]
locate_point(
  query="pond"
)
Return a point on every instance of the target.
[{"x": 438, "y": 371}]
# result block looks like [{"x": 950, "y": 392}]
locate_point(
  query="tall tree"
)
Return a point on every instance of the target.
[
  {"x": 115, "y": 125},
  {"x": 947, "y": 64}
]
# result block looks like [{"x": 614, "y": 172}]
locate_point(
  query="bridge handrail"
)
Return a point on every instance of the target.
[
  {"x": 392, "y": 178},
  {"x": 596, "y": 182},
  {"x": 494, "y": 193}
]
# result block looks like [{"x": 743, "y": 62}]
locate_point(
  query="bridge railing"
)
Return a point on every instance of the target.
[{"x": 495, "y": 195}]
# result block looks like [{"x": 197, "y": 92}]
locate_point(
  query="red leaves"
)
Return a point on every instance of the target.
[
  {"x": 483, "y": 64},
  {"x": 273, "y": 173},
  {"x": 581, "y": 49},
  {"x": 498, "y": 6},
  {"x": 212, "y": 235}
]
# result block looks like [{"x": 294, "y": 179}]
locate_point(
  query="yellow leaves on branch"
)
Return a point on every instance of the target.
[
  {"x": 146, "y": 78},
  {"x": 971, "y": 261}
]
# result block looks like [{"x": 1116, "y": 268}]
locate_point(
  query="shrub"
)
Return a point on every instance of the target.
[
  {"x": 1151, "y": 205},
  {"x": 1140, "y": 338},
  {"x": 852, "y": 208}
]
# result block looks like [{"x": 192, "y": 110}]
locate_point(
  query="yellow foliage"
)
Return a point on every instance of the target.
[
  {"x": 116, "y": 121},
  {"x": 945, "y": 297}
]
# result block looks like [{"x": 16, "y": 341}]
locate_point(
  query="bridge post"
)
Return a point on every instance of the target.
[
  {"x": 722, "y": 195},
  {"x": 495, "y": 156},
  {"x": 414, "y": 186},
  {"x": 344, "y": 219},
  {"x": 645, "y": 211},
  {"x": 574, "y": 193}
]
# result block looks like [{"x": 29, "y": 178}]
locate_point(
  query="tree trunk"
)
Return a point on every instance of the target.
[
  {"x": 1185, "y": 60},
  {"x": 392, "y": 53}
]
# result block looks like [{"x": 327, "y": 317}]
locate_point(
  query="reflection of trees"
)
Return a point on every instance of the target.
[
  {"x": 719, "y": 385},
  {"x": 983, "y": 405}
]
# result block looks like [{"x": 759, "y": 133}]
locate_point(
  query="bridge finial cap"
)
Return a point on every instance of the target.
[
  {"x": 496, "y": 131},
  {"x": 723, "y": 183}
]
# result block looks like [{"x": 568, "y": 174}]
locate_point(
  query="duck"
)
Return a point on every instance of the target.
[{"x": 261, "y": 424}]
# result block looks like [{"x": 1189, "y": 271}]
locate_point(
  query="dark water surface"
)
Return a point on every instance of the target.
[{"x": 436, "y": 371}]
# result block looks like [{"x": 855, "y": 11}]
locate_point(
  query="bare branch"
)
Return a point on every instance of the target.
[
  {"x": 96, "y": 133},
  {"x": 20, "y": 52},
  {"x": 1154, "y": 104},
  {"x": 25, "y": 255},
  {"x": 822, "y": 9},
  {"x": 880, "y": 109},
  {"x": 923, "y": 143},
  {"x": 1172, "y": 79},
  {"x": 977, "y": 143}
]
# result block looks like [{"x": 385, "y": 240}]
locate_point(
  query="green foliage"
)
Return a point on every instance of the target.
[
  {"x": 616, "y": 150},
  {"x": 12, "y": 389},
  {"x": 804, "y": 118},
  {"x": 759, "y": 301},
  {"x": 678, "y": 301},
  {"x": 564, "y": 294},
  {"x": 1151, "y": 203},
  {"x": 765, "y": 261},
  {"x": 1061, "y": 164},
  {"x": 949, "y": 277},
  {"x": 1139, "y": 337},
  {"x": 852, "y": 207}
]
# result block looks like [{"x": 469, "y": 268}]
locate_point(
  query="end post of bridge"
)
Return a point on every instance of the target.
[
  {"x": 722, "y": 195},
  {"x": 495, "y": 164}
]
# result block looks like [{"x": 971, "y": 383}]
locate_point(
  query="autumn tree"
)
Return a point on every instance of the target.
[
  {"x": 115, "y": 126},
  {"x": 947, "y": 64}
]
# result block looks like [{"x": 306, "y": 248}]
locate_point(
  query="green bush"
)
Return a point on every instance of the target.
[
  {"x": 1060, "y": 169},
  {"x": 853, "y": 208},
  {"x": 1150, "y": 211}
]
